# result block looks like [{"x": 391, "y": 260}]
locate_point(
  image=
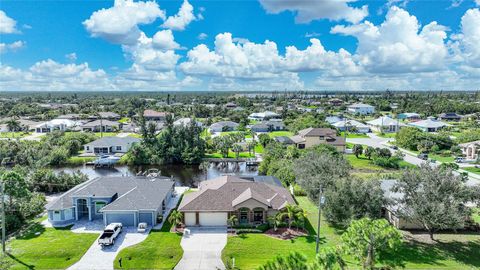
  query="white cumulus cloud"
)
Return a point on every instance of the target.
[
  {"x": 309, "y": 10},
  {"x": 183, "y": 18},
  {"x": 7, "y": 24},
  {"x": 119, "y": 24},
  {"x": 399, "y": 44},
  {"x": 12, "y": 47}
]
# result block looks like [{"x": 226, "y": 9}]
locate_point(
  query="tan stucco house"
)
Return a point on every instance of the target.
[
  {"x": 471, "y": 149},
  {"x": 217, "y": 199},
  {"x": 310, "y": 137}
]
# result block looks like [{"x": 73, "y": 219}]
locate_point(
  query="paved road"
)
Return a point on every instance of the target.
[
  {"x": 203, "y": 249},
  {"x": 376, "y": 141}
]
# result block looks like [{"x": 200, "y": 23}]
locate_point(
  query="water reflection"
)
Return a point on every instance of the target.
[{"x": 184, "y": 175}]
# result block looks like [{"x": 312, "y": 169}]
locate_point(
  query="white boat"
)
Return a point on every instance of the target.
[{"x": 106, "y": 160}]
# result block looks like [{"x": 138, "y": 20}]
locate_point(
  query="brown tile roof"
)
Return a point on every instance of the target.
[
  {"x": 225, "y": 192},
  {"x": 313, "y": 132},
  {"x": 152, "y": 113}
]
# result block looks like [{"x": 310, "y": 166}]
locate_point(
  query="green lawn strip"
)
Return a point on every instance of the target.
[
  {"x": 274, "y": 134},
  {"x": 135, "y": 135},
  {"x": 386, "y": 135},
  {"x": 124, "y": 120},
  {"x": 362, "y": 163},
  {"x": 106, "y": 134},
  {"x": 52, "y": 248},
  {"x": 353, "y": 135},
  {"x": 476, "y": 214},
  {"x": 79, "y": 160},
  {"x": 230, "y": 155},
  {"x": 161, "y": 250},
  {"x": 225, "y": 133},
  {"x": 19, "y": 134},
  {"x": 472, "y": 170}
]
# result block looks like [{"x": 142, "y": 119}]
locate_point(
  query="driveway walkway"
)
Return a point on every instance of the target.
[
  {"x": 203, "y": 249},
  {"x": 99, "y": 258}
]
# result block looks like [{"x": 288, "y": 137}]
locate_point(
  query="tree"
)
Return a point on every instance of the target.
[
  {"x": 290, "y": 212},
  {"x": 264, "y": 139},
  {"x": 204, "y": 168},
  {"x": 352, "y": 199},
  {"x": 357, "y": 150},
  {"x": 15, "y": 187},
  {"x": 369, "y": 152},
  {"x": 369, "y": 240},
  {"x": 275, "y": 220},
  {"x": 251, "y": 147},
  {"x": 319, "y": 170},
  {"x": 328, "y": 259},
  {"x": 175, "y": 218},
  {"x": 433, "y": 197},
  {"x": 293, "y": 261},
  {"x": 13, "y": 125},
  {"x": 237, "y": 149},
  {"x": 232, "y": 220}
]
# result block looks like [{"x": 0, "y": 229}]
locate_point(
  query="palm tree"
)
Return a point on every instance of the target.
[
  {"x": 251, "y": 147},
  {"x": 232, "y": 220},
  {"x": 275, "y": 220},
  {"x": 204, "y": 168},
  {"x": 237, "y": 149},
  {"x": 13, "y": 125},
  {"x": 301, "y": 217},
  {"x": 175, "y": 218},
  {"x": 290, "y": 212}
]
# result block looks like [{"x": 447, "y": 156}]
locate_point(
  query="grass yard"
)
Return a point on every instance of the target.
[
  {"x": 354, "y": 135},
  {"x": 19, "y": 134},
  {"x": 79, "y": 160},
  {"x": 230, "y": 155},
  {"x": 476, "y": 214},
  {"x": 124, "y": 120},
  {"x": 106, "y": 134},
  {"x": 225, "y": 133},
  {"x": 161, "y": 250},
  {"x": 472, "y": 170},
  {"x": 386, "y": 135},
  {"x": 50, "y": 249},
  {"x": 135, "y": 135},
  {"x": 362, "y": 163},
  {"x": 274, "y": 134}
]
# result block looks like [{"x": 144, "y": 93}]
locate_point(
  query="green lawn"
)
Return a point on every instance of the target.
[
  {"x": 79, "y": 160},
  {"x": 476, "y": 214},
  {"x": 362, "y": 163},
  {"x": 124, "y": 120},
  {"x": 225, "y": 133},
  {"x": 472, "y": 170},
  {"x": 161, "y": 250},
  {"x": 354, "y": 135},
  {"x": 50, "y": 249},
  {"x": 274, "y": 134},
  {"x": 106, "y": 134},
  {"x": 230, "y": 155},
  {"x": 19, "y": 134},
  {"x": 135, "y": 135},
  {"x": 386, "y": 135}
]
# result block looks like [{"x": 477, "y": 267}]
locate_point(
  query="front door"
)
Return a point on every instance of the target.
[{"x": 82, "y": 208}]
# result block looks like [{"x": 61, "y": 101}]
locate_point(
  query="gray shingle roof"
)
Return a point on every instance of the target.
[
  {"x": 223, "y": 193},
  {"x": 133, "y": 193},
  {"x": 113, "y": 140}
]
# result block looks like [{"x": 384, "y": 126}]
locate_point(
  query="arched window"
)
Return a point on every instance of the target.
[{"x": 258, "y": 215}]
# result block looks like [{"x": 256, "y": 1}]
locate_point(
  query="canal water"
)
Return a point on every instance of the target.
[{"x": 184, "y": 175}]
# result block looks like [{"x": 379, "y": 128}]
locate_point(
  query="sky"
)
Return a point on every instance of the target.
[{"x": 238, "y": 45}]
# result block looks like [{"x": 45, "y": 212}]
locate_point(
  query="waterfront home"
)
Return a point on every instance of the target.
[
  {"x": 409, "y": 116},
  {"x": 360, "y": 108},
  {"x": 335, "y": 102},
  {"x": 268, "y": 126},
  {"x": 110, "y": 145},
  {"x": 310, "y": 137},
  {"x": 127, "y": 200},
  {"x": 263, "y": 116},
  {"x": 218, "y": 199},
  {"x": 385, "y": 124},
  {"x": 333, "y": 119},
  {"x": 352, "y": 126},
  {"x": 56, "y": 124},
  {"x": 428, "y": 125},
  {"x": 230, "y": 105},
  {"x": 450, "y": 117},
  {"x": 100, "y": 125},
  {"x": 223, "y": 126},
  {"x": 471, "y": 150}
]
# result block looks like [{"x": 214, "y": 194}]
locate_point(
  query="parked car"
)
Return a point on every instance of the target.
[
  {"x": 423, "y": 156},
  {"x": 109, "y": 234},
  {"x": 142, "y": 227},
  {"x": 460, "y": 160},
  {"x": 394, "y": 147}
]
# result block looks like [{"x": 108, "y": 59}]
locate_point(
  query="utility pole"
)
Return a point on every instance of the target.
[{"x": 2, "y": 193}]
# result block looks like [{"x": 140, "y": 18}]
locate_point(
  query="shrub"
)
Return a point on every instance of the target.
[{"x": 298, "y": 190}]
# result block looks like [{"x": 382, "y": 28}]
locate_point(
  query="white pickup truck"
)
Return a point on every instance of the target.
[{"x": 109, "y": 234}]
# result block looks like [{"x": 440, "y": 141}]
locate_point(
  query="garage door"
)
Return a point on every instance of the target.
[
  {"x": 127, "y": 219},
  {"x": 213, "y": 219},
  {"x": 190, "y": 219},
  {"x": 145, "y": 217}
]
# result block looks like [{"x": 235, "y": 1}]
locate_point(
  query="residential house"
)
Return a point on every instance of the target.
[
  {"x": 127, "y": 200},
  {"x": 351, "y": 126},
  {"x": 450, "y": 117},
  {"x": 56, "y": 124},
  {"x": 230, "y": 105},
  {"x": 333, "y": 119},
  {"x": 471, "y": 150},
  {"x": 268, "y": 126},
  {"x": 360, "y": 108},
  {"x": 335, "y": 102},
  {"x": 151, "y": 115},
  {"x": 218, "y": 199},
  {"x": 412, "y": 117},
  {"x": 109, "y": 116},
  {"x": 70, "y": 116},
  {"x": 391, "y": 211},
  {"x": 310, "y": 137},
  {"x": 186, "y": 122},
  {"x": 428, "y": 125},
  {"x": 263, "y": 116},
  {"x": 385, "y": 124},
  {"x": 110, "y": 145},
  {"x": 283, "y": 139},
  {"x": 223, "y": 126},
  {"x": 100, "y": 126}
]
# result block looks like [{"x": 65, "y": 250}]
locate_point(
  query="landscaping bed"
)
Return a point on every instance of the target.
[{"x": 286, "y": 233}]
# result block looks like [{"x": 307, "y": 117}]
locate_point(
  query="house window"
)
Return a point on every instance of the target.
[
  {"x": 244, "y": 215},
  {"x": 322, "y": 137},
  {"x": 301, "y": 146},
  {"x": 88, "y": 148},
  {"x": 57, "y": 215},
  {"x": 98, "y": 206},
  {"x": 258, "y": 215},
  {"x": 119, "y": 148}
]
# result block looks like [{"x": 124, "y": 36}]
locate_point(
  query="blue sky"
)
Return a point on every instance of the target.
[{"x": 333, "y": 44}]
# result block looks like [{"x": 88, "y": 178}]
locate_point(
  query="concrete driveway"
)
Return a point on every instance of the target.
[
  {"x": 99, "y": 258},
  {"x": 203, "y": 248}
]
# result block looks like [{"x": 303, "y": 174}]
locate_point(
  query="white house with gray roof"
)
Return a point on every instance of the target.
[
  {"x": 110, "y": 145},
  {"x": 128, "y": 200}
]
